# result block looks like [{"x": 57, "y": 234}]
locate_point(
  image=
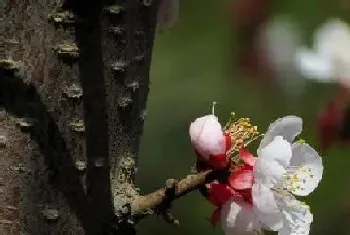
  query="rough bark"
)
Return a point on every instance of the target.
[{"x": 73, "y": 89}]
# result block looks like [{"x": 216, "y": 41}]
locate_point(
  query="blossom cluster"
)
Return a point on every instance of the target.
[{"x": 259, "y": 192}]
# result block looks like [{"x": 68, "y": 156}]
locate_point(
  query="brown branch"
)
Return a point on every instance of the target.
[{"x": 156, "y": 199}]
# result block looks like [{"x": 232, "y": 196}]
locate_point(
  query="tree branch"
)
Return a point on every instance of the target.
[
  {"x": 155, "y": 199},
  {"x": 161, "y": 199}
]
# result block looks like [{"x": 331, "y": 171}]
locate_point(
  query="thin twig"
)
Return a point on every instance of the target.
[{"x": 184, "y": 186}]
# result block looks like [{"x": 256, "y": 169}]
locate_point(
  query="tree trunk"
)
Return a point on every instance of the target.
[{"x": 73, "y": 91}]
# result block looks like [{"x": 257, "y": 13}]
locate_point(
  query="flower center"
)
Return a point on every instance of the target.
[
  {"x": 286, "y": 199},
  {"x": 241, "y": 131},
  {"x": 296, "y": 178}
]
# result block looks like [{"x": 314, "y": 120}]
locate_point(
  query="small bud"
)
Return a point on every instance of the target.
[
  {"x": 139, "y": 32},
  {"x": 78, "y": 126},
  {"x": 133, "y": 85},
  {"x": 131, "y": 222},
  {"x": 170, "y": 184},
  {"x": 124, "y": 101},
  {"x": 73, "y": 91},
  {"x": 114, "y": 9},
  {"x": 143, "y": 114},
  {"x": 2, "y": 115},
  {"x": 51, "y": 214},
  {"x": 3, "y": 141},
  {"x": 64, "y": 17},
  {"x": 128, "y": 162},
  {"x": 99, "y": 162},
  {"x": 26, "y": 123},
  {"x": 117, "y": 30},
  {"x": 120, "y": 65},
  {"x": 8, "y": 64},
  {"x": 139, "y": 58},
  {"x": 68, "y": 50},
  {"x": 20, "y": 168},
  {"x": 80, "y": 165},
  {"x": 11, "y": 41},
  {"x": 147, "y": 2}
]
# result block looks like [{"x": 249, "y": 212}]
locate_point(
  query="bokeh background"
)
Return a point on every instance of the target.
[{"x": 193, "y": 65}]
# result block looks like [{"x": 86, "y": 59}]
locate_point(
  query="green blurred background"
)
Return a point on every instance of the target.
[{"x": 192, "y": 66}]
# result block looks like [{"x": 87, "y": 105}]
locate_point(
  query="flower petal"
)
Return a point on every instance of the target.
[
  {"x": 207, "y": 137},
  {"x": 309, "y": 169},
  {"x": 268, "y": 172},
  {"x": 288, "y": 127},
  {"x": 266, "y": 207},
  {"x": 277, "y": 150},
  {"x": 247, "y": 156},
  {"x": 314, "y": 66},
  {"x": 218, "y": 193},
  {"x": 241, "y": 178},
  {"x": 329, "y": 33},
  {"x": 297, "y": 217},
  {"x": 280, "y": 37},
  {"x": 238, "y": 218},
  {"x": 332, "y": 40}
]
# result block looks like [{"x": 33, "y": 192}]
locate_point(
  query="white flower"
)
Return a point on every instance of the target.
[
  {"x": 280, "y": 37},
  {"x": 313, "y": 65},
  {"x": 284, "y": 168},
  {"x": 330, "y": 59},
  {"x": 207, "y": 136},
  {"x": 239, "y": 218}
]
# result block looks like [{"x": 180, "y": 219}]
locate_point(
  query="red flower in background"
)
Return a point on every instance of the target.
[
  {"x": 250, "y": 13},
  {"x": 345, "y": 130},
  {"x": 247, "y": 17},
  {"x": 332, "y": 123}
]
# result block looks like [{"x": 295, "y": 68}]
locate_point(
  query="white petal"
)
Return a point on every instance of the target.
[
  {"x": 272, "y": 162},
  {"x": 314, "y": 66},
  {"x": 280, "y": 38},
  {"x": 288, "y": 127},
  {"x": 206, "y": 135},
  {"x": 296, "y": 215},
  {"x": 238, "y": 218},
  {"x": 266, "y": 208},
  {"x": 268, "y": 172},
  {"x": 278, "y": 150},
  {"x": 328, "y": 34},
  {"x": 309, "y": 169},
  {"x": 332, "y": 40}
]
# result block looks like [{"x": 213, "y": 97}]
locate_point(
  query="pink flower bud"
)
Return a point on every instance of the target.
[{"x": 210, "y": 143}]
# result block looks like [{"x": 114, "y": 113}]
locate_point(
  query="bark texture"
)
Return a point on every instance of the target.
[{"x": 73, "y": 91}]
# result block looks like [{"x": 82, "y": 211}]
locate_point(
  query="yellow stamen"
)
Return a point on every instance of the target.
[{"x": 241, "y": 131}]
